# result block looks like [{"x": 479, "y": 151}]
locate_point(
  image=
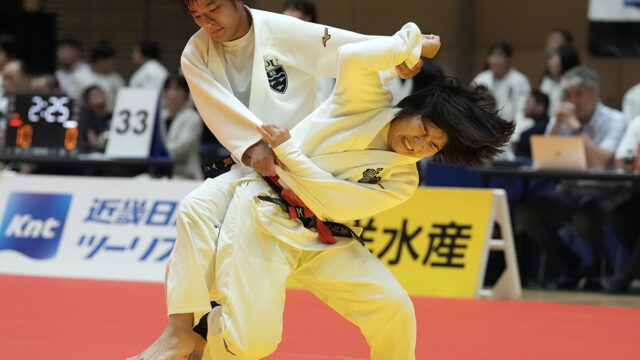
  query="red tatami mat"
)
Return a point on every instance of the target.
[{"x": 55, "y": 319}]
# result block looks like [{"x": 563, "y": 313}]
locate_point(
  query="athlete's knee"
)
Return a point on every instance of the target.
[{"x": 399, "y": 308}]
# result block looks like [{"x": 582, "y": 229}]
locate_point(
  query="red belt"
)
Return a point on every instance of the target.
[{"x": 298, "y": 210}]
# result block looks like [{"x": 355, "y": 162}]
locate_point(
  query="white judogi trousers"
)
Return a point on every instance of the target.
[
  {"x": 252, "y": 267},
  {"x": 191, "y": 266}
]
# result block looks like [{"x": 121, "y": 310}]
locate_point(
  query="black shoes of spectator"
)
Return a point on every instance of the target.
[{"x": 617, "y": 284}]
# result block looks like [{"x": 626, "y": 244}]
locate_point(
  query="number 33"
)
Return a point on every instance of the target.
[{"x": 125, "y": 115}]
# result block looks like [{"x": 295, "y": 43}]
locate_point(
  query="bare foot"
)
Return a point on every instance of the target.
[
  {"x": 177, "y": 340},
  {"x": 198, "y": 350}
]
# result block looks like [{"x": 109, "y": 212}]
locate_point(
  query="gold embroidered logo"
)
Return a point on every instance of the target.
[{"x": 326, "y": 37}]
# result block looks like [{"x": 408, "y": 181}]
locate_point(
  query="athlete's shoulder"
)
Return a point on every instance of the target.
[{"x": 197, "y": 44}]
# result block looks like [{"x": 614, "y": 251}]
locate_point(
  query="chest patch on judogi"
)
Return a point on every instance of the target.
[
  {"x": 276, "y": 75},
  {"x": 370, "y": 176}
]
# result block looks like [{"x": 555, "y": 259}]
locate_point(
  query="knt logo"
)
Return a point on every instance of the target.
[{"x": 33, "y": 223}]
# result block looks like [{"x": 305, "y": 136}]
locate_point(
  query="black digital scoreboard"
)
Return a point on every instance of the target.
[{"x": 41, "y": 125}]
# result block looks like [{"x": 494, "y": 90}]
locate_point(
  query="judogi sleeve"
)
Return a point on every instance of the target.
[
  {"x": 230, "y": 121},
  {"x": 312, "y": 47},
  {"x": 335, "y": 199},
  {"x": 358, "y": 85}
]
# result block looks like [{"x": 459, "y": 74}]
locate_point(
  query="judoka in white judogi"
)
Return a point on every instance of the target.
[
  {"x": 282, "y": 91},
  {"x": 338, "y": 164}
]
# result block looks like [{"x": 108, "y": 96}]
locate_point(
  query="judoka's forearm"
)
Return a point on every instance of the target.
[
  {"x": 384, "y": 53},
  {"x": 342, "y": 200},
  {"x": 338, "y": 199},
  {"x": 298, "y": 163}
]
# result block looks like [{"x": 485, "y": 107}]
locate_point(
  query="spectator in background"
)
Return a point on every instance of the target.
[
  {"x": 560, "y": 61},
  {"x": 302, "y": 9},
  {"x": 558, "y": 38},
  {"x": 71, "y": 66},
  {"x": 182, "y": 128},
  {"x": 45, "y": 83},
  {"x": 94, "y": 120},
  {"x": 15, "y": 77},
  {"x": 582, "y": 204},
  {"x": 508, "y": 86},
  {"x": 631, "y": 103},
  {"x": 536, "y": 108},
  {"x": 8, "y": 51},
  {"x": 150, "y": 73},
  {"x": 624, "y": 218},
  {"x": 102, "y": 57}
]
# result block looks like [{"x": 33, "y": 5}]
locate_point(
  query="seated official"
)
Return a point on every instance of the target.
[{"x": 582, "y": 204}]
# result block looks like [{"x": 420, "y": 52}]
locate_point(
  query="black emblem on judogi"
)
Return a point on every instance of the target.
[
  {"x": 369, "y": 176},
  {"x": 276, "y": 75}
]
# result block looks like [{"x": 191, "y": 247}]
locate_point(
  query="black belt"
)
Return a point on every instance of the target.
[{"x": 213, "y": 169}]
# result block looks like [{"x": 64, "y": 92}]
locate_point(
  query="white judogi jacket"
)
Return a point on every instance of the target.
[
  {"x": 329, "y": 164},
  {"x": 291, "y": 50}
]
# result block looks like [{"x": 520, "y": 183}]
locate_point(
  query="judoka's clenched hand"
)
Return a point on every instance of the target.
[
  {"x": 274, "y": 134},
  {"x": 430, "y": 45},
  {"x": 405, "y": 72},
  {"x": 261, "y": 158}
]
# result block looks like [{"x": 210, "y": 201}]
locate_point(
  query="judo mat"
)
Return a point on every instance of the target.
[{"x": 56, "y": 319}]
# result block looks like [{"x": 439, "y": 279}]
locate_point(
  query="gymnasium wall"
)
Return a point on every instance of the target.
[{"x": 467, "y": 28}]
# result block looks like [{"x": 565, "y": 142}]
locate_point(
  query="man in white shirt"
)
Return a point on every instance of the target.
[
  {"x": 103, "y": 74},
  {"x": 244, "y": 67},
  {"x": 150, "y": 73},
  {"x": 71, "y": 66},
  {"x": 631, "y": 103},
  {"x": 509, "y": 87},
  {"x": 579, "y": 203}
]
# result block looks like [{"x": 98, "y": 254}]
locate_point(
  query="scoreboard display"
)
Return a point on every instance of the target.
[{"x": 41, "y": 125}]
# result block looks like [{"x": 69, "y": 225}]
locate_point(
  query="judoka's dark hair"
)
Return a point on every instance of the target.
[
  {"x": 475, "y": 132},
  {"x": 185, "y": 3}
]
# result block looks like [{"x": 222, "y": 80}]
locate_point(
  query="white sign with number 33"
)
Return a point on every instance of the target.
[{"x": 132, "y": 124}]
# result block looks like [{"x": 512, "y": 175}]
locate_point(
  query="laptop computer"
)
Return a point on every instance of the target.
[{"x": 558, "y": 152}]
